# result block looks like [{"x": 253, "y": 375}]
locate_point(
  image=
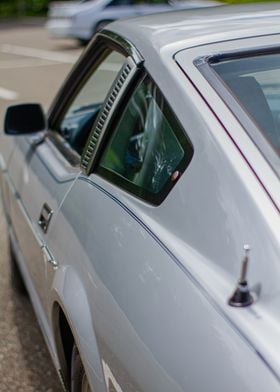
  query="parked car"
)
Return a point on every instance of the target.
[
  {"x": 81, "y": 19},
  {"x": 134, "y": 205}
]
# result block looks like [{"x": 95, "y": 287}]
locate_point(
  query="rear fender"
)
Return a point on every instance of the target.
[{"x": 69, "y": 295}]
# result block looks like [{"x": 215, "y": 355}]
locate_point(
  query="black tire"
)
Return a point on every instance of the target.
[
  {"x": 79, "y": 382},
  {"x": 16, "y": 277}
]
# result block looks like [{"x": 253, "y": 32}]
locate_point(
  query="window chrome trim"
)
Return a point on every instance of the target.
[
  {"x": 100, "y": 43},
  {"x": 99, "y": 130},
  {"x": 203, "y": 64},
  {"x": 123, "y": 43}
]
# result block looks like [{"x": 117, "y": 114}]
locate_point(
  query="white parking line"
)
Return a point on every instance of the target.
[
  {"x": 43, "y": 55},
  {"x": 39, "y": 53},
  {"x": 8, "y": 95},
  {"x": 23, "y": 63}
]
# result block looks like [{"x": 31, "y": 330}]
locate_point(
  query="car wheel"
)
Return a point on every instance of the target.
[
  {"x": 79, "y": 381},
  {"x": 16, "y": 278}
]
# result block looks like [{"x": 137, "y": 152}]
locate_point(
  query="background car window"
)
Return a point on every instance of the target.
[
  {"x": 147, "y": 146},
  {"x": 82, "y": 112},
  {"x": 116, "y": 3}
]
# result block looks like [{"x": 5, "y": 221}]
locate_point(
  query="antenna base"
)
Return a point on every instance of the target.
[{"x": 241, "y": 296}]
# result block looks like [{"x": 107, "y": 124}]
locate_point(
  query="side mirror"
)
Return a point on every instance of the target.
[{"x": 24, "y": 119}]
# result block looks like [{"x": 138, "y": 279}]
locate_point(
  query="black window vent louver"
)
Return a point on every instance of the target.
[{"x": 97, "y": 132}]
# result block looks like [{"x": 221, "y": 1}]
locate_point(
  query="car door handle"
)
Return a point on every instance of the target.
[{"x": 45, "y": 217}]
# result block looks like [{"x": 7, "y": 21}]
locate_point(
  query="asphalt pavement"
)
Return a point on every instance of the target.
[{"x": 32, "y": 67}]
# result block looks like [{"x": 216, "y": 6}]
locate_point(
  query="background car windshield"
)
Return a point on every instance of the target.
[
  {"x": 255, "y": 82},
  {"x": 114, "y": 3}
]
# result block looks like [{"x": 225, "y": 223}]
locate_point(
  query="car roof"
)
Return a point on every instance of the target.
[{"x": 188, "y": 28}]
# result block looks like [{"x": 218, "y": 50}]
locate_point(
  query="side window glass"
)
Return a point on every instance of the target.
[
  {"x": 82, "y": 112},
  {"x": 147, "y": 150}
]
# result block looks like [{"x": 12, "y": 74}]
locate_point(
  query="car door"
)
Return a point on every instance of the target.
[
  {"x": 38, "y": 178},
  {"x": 44, "y": 166},
  {"x": 141, "y": 152}
]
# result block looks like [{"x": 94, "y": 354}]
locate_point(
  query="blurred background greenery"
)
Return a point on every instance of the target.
[
  {"x": 247, "y": 1},
  {"x": 19, "y": 8},
  {"x": 12, "y": 8}
]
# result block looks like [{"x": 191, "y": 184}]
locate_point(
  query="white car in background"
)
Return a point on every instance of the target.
[{"x": 80, "y": 20}]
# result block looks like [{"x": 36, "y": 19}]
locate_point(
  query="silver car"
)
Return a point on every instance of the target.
[{"x": 143, "y": 212}]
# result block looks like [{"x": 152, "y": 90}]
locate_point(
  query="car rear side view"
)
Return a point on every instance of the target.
[{"x": 143, "y": 210}]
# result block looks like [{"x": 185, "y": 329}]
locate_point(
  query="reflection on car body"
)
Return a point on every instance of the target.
[{"x": 155, "y": 184}]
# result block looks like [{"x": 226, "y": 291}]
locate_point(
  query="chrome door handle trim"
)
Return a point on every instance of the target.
[
  {"x": 48, "y": 257},
  {"x": 45, "y": 217}
]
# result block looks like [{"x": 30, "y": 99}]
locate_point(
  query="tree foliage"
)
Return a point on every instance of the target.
[{"x": 11, "y": 8}]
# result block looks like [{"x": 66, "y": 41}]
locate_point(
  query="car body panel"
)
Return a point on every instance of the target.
[
  {"x": 38, "y": 177},
  {"x": 36, "y": 302},
  {"x": 145, "y": 288},
  {"x": 67, "y": 294},
  {"x": 5, "y": 157},
  {"x": 130, "y": 336}
]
